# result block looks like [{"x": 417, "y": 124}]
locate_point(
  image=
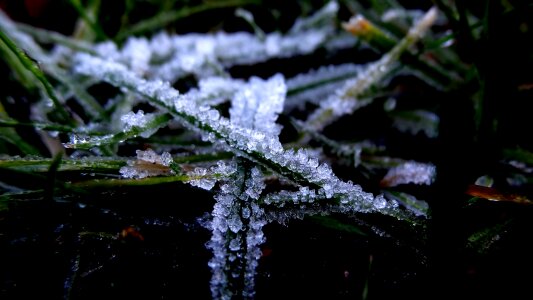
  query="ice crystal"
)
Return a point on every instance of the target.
[
  {"x": 410, "y": 172},
  {"x": 257, "y": 104},
  {"x": 138, "y": 119},
  {"x": 147, "y": 164},
  {"x": 237, "y": 234}
]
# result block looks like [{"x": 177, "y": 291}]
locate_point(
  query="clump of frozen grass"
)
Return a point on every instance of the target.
[{"x": 145, "y": 69}]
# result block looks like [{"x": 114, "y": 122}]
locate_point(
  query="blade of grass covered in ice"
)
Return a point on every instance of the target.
[
  {"x": 419, "y": 207},
  {"x": 33, "y": 67},
  {"x": 96, "y": 164},
  {"x": 150, "y": 180},
  {"x": 52, "y": 37},
  {"x": 167, "y": 17},
  {"x": 171, "y": 57},
  {"x": 89, "y": 142},
  {"x": 346, "y": 101},
  {"x": 237, "y": 232},
  {"x": 384, "y": 42},
  {"x": 262, "y": 148},
  {"x": 322, "y": 76}
]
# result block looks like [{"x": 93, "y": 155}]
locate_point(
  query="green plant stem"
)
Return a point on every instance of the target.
[
  {"x": 52, "y": 37},
  {"x": 32, "y": 66},
  {"x": 113, "y": 183},
  {"x": 88, "y": 19},
  {"x": 11, "y": 136},
  {"x": 120, "y": 137},
  {"x": 37, "y": 125},
  {"x": 167, "y": 17},
  {"x": 97, "y": 164}
]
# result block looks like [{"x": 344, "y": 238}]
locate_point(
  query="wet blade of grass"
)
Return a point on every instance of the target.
[
  {"x": 114, "y": 183},
  {"x": 11, "y": 136},
  {"x": 33, "y": 67},
  {"x": 49, "y": 66},
  {"x": 94, "y": 164},
  {"x": 23, "y": 76}
]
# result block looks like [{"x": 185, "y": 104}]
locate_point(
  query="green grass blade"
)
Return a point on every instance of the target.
[
  {"x": 88, "y": 19},
  {"x": 119, "y": 137},
  {"x": 11, "y": 136},
  {"x": 33, "y": 67},
  {"x": 161, "y": 20}
]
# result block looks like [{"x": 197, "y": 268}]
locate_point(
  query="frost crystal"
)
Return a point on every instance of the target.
[
  {"x": 257, "y": 104},
  {"x": 237, "y": 234},
  {"x": 207, "y": 178},
  {"x": 148, "y": 164},
  {"x": 140, "y": 120},
  {"x": 410, "y": 172}
]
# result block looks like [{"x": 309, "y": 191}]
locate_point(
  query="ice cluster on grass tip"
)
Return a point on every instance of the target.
[
  {"x": 147, "y": 164},
  {"x": 257, "y": 104},
  {"x": 206, "y": 178},
  {"x": 237, "y": 234},
  {"x": 139, "y": 120}
]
